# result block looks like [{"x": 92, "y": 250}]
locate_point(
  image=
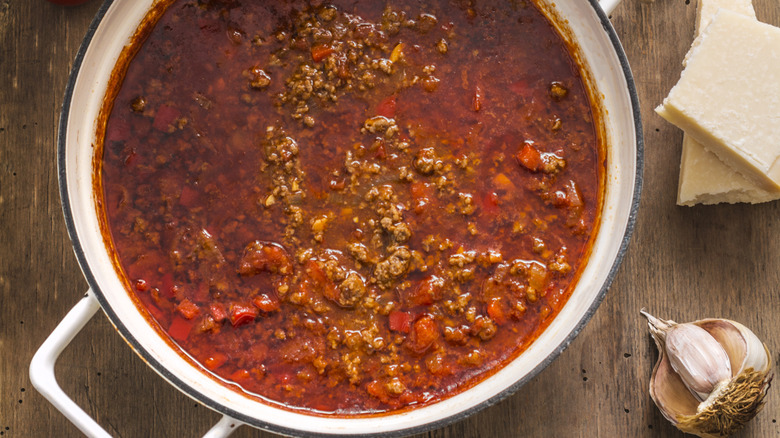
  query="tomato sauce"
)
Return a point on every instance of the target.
[{"x": 351, "y": 207}]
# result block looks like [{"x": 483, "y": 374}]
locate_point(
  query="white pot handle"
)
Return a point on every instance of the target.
[
  {"x": 609, "y": 5},
  {"x": 43, "y": 378}
]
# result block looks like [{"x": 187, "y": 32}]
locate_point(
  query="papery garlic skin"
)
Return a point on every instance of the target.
[{"x": 698, "y": 358}]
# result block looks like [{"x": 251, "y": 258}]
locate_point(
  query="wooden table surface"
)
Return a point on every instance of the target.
[{"x": 683, "y": 263}]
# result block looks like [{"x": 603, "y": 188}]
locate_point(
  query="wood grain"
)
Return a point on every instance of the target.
[{"x": 683, "y": 263}]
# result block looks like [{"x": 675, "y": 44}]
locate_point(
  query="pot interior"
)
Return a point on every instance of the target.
[{"x": 611, "y": 78}]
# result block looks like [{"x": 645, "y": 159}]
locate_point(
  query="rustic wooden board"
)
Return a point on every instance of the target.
[{"x": 683, "y": 263}]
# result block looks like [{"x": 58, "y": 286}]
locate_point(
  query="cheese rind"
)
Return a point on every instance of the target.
[
  {"x": 704, "y": 179},
  {"x": 728, "y": 97}
]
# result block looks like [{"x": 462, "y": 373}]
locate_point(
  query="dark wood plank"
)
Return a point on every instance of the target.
[{"x": 683, "y": 263}]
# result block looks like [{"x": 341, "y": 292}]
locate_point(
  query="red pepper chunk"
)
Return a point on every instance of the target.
[
  {"x": 529, "y": 157},
  {"x": 424, "y": 333},
  {"x": 240, "y": 375},
  {"x": 241, "y": 314},
  {"x": 497, "y": 310},
  {"x": 320, "y": 52},
  {"x": 218, "y": 312},
  {"x": 180, "y": 328},
  {"x": 188, "y": 309},
  {"x": 490, "y": 203},
  {"x": 215, "y": 360},
  {"x": 264, "y": 257},
  {"x": 400, "y": 321},
  {"x": 427, "y": 292},
  {"x": 421, "y": 196},
  {"x": 318, "y": 281},
  {"x": 266, "y": 303},
  {"x": 386, "y": 107},
  {"x": 141, "y": 285}
]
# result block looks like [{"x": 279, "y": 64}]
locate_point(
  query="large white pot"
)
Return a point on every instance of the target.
[{"x": 111, "y": 30}]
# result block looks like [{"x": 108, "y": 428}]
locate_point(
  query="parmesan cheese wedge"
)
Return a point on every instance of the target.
[
  {"x": 728, "y": 97},
  {"x": 706, "y": 9},
  {"x": 704, "y": 179}
]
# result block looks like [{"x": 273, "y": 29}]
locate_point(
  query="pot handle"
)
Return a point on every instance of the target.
[
  {"x": 609, "y": 5},
  {"x": 43, "y": 378},
  {"x": 224, "y": 427},
  {"x": 42, "y": 365}
]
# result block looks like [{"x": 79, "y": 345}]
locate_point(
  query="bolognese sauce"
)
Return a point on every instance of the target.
[{"x": 351, "y": 207}]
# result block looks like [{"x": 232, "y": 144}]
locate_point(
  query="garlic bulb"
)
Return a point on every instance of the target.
[{"x": 711, "y": 376}]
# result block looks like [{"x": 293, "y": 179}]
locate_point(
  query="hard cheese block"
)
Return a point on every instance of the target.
[
  {"x": 704, "y": 179},
  {"x": 728, "y": 97},
  {"x": 706, "y": 9}
]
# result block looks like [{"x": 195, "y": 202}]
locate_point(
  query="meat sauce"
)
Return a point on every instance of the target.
[{"x": 351, "y": 207}]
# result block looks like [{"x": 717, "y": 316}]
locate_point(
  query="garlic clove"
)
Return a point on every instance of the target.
[
  {"x": 697, "y": 358},
  {"x": 746, "y": 345},
  {"x": 733, "y": 401},
  {"x": 729, "y": 336}
]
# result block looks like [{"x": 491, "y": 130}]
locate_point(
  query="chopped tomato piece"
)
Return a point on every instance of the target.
[
  {"x": 320, "y": 52},
  {"x": 141, "y": 285},
  {"x": 266, "y": 303},
  {"x": 386, "y": 107},
  {"x": 188, "y": 197},
  {"x": 180, "y": 328},
  {"x": 490, "y": 203},
  {"x": 264, "y": 256},
  {"x": 400, "y": 321},
  {"x": 421, "y": 196},
  {"x": 381, "y": 153},
  {"x": 320, "y": 282},
  {"x": 423, "y": 334},
  {"x": 241, "y": 314},
  {"x": 529, "y": 157},
  {"x": 426, "y": 293},
  {"x": 240, "y": 375},
  {"x": 502, "y": 182},
  {"x": 165, "y": 117},
  {"x": 188, "y": 309},
  {"x": 376, "y": 389},
  {"x": 215, "y": 360},
  {"x": 497, "y": 310},
  {"x": 218, "y": 312}
]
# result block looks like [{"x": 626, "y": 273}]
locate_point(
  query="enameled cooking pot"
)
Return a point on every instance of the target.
[{"x": 588, "y": 26}]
